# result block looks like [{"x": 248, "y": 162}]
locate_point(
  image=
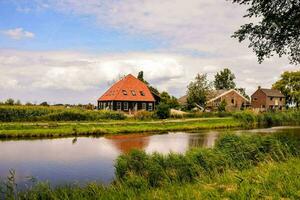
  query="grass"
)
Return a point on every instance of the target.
[
  {"x": 59, "y": 129},
  {"x": 239, "y": 167}
]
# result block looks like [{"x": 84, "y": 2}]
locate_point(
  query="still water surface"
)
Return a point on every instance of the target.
[{"x": 86, "y": 159}]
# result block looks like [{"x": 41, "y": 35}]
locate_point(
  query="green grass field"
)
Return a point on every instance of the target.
[{"x": 59, "y": 129}]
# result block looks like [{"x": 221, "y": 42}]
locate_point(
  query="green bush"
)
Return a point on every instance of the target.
[
  {"x": 46, "y": 113},
  {"x": 163, "y": 111},
  {"x": 231, "y": 152}
]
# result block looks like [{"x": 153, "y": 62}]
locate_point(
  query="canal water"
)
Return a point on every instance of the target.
[{"x": 87, "y": 159}]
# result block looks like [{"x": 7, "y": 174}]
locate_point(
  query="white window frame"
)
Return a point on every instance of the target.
[
  {"x": 144, "y": 106},
  {"x": 125, "y": 104},
  {"x": 119, "y": 106},
  {"x": 150, "y": 106}
]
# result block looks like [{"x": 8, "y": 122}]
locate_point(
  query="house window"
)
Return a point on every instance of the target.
[
  {"x": 124, "y": 92},
  {"x": 271, "y": 98},
  {"x": 150, "y": 108},
  {"x": 118, "y": 105},
  {"x": 254, "y": 99},
  {"x": 232, "y": 101},
  {"x": 142, "y": 93},
  {"x": 125, "y": 105},
  {"x": 104, "y": 106},
  {"x": 133, "y": 93},
  {"x": 280, "y": 99},
  {"x": 143, "y": 106}
]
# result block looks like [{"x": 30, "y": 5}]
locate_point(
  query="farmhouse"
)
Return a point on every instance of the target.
[
  {"x": 232, "y": 98},
  {"x": 128, "y": 95},
  {"x": 267, "y": 99}
]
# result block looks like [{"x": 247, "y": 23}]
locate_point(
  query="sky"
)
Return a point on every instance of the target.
[{"x": 71, "y": 51}]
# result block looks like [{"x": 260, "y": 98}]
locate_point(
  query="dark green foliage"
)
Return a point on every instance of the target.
[
  {"x": 231, "y": 152},
  {"x": 289, "y": 85},
  {"x": 224, "y": 80},
  {"x": 162, "y": 111},
  {"x": 277, "y": 28},
  {"x": 45, "y": 113},
  {"x": 168, "y": 99}
]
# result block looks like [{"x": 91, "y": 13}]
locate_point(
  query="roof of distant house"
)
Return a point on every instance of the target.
[
  {"x": 215, "y": 94},
  {"x": 128, "y": 88},
  {"x": 272, "y": 92}
]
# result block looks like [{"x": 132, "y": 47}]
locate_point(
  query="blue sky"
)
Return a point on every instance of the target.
[
  {"x": 70, "y": 51},
  {"x": 59, "y": 31}
]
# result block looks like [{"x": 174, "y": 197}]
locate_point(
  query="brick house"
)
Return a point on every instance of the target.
[
  {"x": 233, "y": 99},
  {"x": 128, "y": 95},
  {"x": 267, "y": 99}
]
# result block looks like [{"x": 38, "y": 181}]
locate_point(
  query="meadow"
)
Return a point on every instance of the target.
[
  {"x": 55, "y": 121},
  {"x": 238, "y": 167}
]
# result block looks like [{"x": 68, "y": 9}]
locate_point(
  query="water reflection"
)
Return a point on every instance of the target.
[{"x": 85, "y": 159}]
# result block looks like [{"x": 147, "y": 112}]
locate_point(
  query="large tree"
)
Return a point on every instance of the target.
[
  {"x": 289, "y": 85},
  {"x": 277, "y": 28},
  {"x": 198, "y": 90},
  {"x": 224, "y": 80}
]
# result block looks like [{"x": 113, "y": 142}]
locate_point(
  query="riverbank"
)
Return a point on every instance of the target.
[
  {"x": 63, "y": 129},
  {"x": 238, "y": 167}
]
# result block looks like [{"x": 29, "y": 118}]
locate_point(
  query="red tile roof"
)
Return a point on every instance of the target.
[{"x": 128, "y": 89}]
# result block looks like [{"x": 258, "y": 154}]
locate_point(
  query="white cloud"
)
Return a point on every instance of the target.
[{"x": 18, "y": 33}]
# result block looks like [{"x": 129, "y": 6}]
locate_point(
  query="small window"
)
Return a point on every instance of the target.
[
  {"x": 133, "y": 93},
  {"x": 118, "y": 105},
  {"x": 142, "y": 93},
  {"x": 150, "y": 108},
  {"x": 255, "y": 99},
  {"x": 125, "y": 105},
  {"x": 104, "y": 106},
  {"x": 232, "y": 101},
  {"x": 280, "y": 99},
  {"x": 124, "y": 92},
  {"x": 144, "y": 106},
  {"x": 271, "y": 98}
]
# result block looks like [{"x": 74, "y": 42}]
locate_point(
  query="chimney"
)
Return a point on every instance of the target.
[{"x": 259, "y": 87}]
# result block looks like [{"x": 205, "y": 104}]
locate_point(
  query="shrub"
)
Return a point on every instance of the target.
[
  {"x": 249, "y": 118},
  {"x": 163, "y": 111}
]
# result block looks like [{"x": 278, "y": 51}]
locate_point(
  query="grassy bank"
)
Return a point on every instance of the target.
[
  {"x": 53, "y": 129},
  {"x": 239, "y": 167}
]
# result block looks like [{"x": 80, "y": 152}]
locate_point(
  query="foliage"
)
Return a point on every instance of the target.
[
  {"x": 224, "y": 80},
  {"x": 169, "y": 100},
  {"x": 163, "y": 111},
  {"x": 289, "y": 85},
  {"x": 277, "y": 29},
  {"x": 198, "y": 90},
  {"x": 46, "y": 113},
  {"x": 231, "y": 152},
  {"x": 151, "y": 88},
  {"x": 242, "y": 91}
]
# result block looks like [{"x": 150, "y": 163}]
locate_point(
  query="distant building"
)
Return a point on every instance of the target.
[
  {"x": 128, "y": 95},
  {"x": 233, "y": 99},
  {"x": 267, "y": 99}
]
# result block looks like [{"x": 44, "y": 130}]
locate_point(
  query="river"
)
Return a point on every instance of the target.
[{"x": 85, "y": 159}]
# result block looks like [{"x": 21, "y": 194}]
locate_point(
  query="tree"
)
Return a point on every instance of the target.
[
  {"x": 242, "y": 91},
  {"x": 10, "y": 102},
  {"x": 289, "y": 85},
  {"x": 277, "y": 30},
  {"x": 44, "y": 103},
  {"x": 141, "y": 77},
  {"x": 224, "y": 80},
  {"x": 169, "y": 100},
  {"x": 198, "y": 90}
]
